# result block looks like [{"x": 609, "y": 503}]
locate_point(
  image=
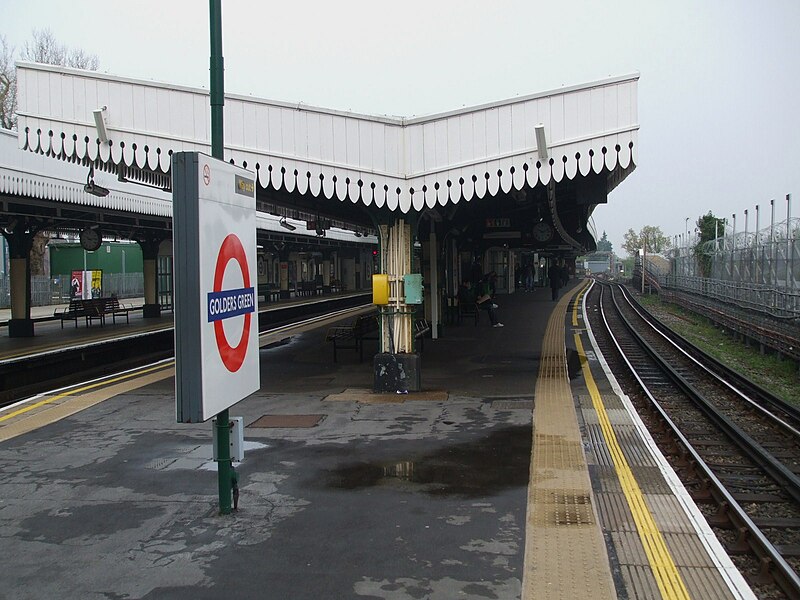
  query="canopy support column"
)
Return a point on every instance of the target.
[
  {"x": 149, "y": 246},
  {"x": 397, "y": 367},
  {"x": 20, "y": 242},
  {"x": 434, "y": 270}
]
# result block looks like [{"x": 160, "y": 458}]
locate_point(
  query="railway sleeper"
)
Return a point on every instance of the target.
[
  {"x": 788, "y": 550},
  {"x": 777, "y": 522},
  {"x": 745, "y": 497}
]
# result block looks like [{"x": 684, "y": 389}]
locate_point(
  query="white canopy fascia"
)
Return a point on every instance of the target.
[
  {"x": 34, "y": 176},
  {"x": 383, "y": 161},
  {"x": 29, "y": 175}
]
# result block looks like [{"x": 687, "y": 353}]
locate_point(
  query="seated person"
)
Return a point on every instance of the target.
[{"x": 485, "y": 302}]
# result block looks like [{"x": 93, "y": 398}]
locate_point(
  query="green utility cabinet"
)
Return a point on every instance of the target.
[{"x": 412, "y": 284}]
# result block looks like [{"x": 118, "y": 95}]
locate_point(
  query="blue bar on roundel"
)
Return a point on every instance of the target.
[{"x": 230, "y": 303}]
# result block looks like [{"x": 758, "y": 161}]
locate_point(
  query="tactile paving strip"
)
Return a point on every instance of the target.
[
  {"x": 680, "y": 564},
  {"x": 565, "y": 552},
  {"x": 553, "y": 452},
  {"x": 669, "y": 513},
  {"x": 648, "y": 544},
  {"x": 705, "y": 583},
  {"x": 614, "y": 513},
  {"x": 639, "y": 582},
  {"x": 562, "y": 507}
]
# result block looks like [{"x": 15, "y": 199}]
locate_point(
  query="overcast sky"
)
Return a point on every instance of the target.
[{"x": 719, "y": 94}]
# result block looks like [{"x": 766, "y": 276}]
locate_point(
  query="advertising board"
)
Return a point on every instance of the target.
[{"x": 85, "y": 285}]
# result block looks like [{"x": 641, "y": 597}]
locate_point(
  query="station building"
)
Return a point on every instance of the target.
[{"x": 477, "y": 189}]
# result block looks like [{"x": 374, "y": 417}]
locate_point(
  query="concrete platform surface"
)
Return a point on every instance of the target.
[{"x": 373, "y": 497}]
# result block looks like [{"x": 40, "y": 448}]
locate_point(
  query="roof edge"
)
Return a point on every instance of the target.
[{"x": 300, "y": 106}]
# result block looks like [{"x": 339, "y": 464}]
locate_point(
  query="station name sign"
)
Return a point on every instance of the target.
[
  {"x": 232, "y": 303},
  {"x": 214, "y": 238}
]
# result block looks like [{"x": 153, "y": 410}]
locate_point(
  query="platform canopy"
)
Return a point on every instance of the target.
[
  {"x": 132, "y": 127},
  {"x": 52, "y": 192}
]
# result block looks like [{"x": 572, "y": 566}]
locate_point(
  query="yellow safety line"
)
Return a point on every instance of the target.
[
  {"x": 91, "y": 386},
  {"x": 666, "y": 573},
  {"x": 576, "y": 303}
]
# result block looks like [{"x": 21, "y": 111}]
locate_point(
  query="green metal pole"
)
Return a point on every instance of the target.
[
  {"x": 217, "y": 93},
  {"x": 224, "y": 462},
  {"x": 217, "y": 84}
]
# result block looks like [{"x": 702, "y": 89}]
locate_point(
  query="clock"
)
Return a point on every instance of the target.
[
  {"x": 91, "y": 239},
  {"x": 542, "y": 232}
]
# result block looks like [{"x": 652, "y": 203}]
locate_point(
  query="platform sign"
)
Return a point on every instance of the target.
[{"x": 216, "y": 316}]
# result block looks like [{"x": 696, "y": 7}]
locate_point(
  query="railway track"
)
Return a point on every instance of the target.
[
  {"x": 32, "y": 373},
  {"x": 736, "y": 447}
]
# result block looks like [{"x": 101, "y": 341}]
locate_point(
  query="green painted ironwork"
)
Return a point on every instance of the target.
[{"x": 217, "y": 96}]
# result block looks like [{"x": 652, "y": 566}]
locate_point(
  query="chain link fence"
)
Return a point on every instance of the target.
[
  {"x": 56, "y": 290},
  {"x": 757, "y": 270}
]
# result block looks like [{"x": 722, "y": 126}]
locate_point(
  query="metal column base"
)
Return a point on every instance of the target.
[
  {"x": 20, "y": 328},
  {"x": 396, "y": 373}
]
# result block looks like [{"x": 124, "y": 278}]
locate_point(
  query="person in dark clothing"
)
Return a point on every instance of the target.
[
  {"x": 528, "y": 274},
  {"x": 554, "y": 274},
  {"x": 483, "y": 300},
  {"x": 491, "y": 284}
]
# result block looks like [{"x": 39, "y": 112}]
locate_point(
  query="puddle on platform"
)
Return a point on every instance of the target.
[{"x": 480, "y": 467}]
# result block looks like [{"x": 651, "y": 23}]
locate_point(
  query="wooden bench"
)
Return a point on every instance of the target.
[
  {"x": 309, "y": 288},
  {"x": 93, "y": 309},
  {"x": 269, "y": 293},
  {"x": 112, "y": 306},
  {"x": 78, "y": 308},
  {"x": 352, "y": 336}
]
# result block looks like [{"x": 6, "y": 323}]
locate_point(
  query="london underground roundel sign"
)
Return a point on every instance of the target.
[
  {"x": 224, "y": 304},
  {"x": 214, "y": 246}
]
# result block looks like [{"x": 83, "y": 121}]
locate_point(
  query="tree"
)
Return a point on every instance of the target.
[
  {"x": 603, "y": 245},
  {"x": 649, "y": 237},
  {"x": 708, "y": 228},
  {"x": 8, "y": 86},
  {"x": 42, "y": 48}
]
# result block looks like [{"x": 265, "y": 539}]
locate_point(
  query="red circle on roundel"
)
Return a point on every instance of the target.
[{"x": 232, "y": 357}]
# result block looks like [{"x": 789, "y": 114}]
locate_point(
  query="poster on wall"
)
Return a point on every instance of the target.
[
  {"x": 85, "y": 285},
  {"x": 76, "y": 285},
  {"x": 96, "y": 283}
]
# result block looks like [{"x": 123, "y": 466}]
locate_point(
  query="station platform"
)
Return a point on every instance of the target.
[
  {"x": 518, "y": 472},
  {"x": 51, "y": 335}
]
